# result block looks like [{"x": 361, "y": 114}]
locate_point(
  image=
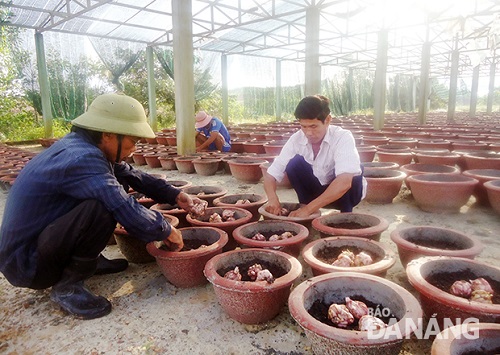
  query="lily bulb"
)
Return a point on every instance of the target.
[
  {"x": 233, "y": 274},
  {"x": 371, "y": 323},
  {"x": 228, "y": 215},
  {"x": 199, "y": 208},
  {"x": 253, "y": 271},
  {"x": 259, "y": 237},
  {"x": 481, "y": 296},
  {"x": 265, "y": 275},
  {"x": 343, "y": 261},
  {"x": 339, "y": 315},
  {"x": 481, "y": 284},
  {"x": 286, "y": 235},
  {"x": 348, "y": 253},
  {"x": 274, "y": 238},
  {"x": 215, "y": 218},
  {"x": 357, "y": 308},
  {"x": 461, "y": 288},
  {"x": 362, "y": 259}
]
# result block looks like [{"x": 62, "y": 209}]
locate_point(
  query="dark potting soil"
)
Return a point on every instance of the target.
[
  {"x": 444, "y": 280},
  {"x": 276, "y": 270},
  {"x": 329, "y": 254},
  {"x": 269, "y": 234},
  {"x": 482, "y": 351},
  {"x": 435, "y": 244},
  {"x": 319, "y": 310},
  {"x": 190, "y": 244},
  {"x": 347, "y": 225}
]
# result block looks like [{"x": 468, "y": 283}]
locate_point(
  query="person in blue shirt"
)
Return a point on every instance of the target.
[
  {"x": 66, "y": 202},
  {"x": 211, "y": 134}
]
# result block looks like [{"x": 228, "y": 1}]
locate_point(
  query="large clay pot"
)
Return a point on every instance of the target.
[
  {"x": 173, "y": 210},
  {"x": 206, "y": 192},
  {"x": 482, "y": 160},
  {"x": 134, "y": 249},
  {"x": 380, "y": 165},
  {"x": 361, "y": 225},
  {"x": 482, "y": 175},
  {"x": 246, "y": 169},
  {"x": 185, "y": 164},
  {"x": 290, "y": 206},
  {"x": 185, "y": 268},
  {"x": 417, "y": 241},
  {"x": 142, "y": 199},
  {"x": 383, "y": 185},
  {"x": 152, "y": 160},
  {"x": 252, "y": 302},
  {"x": 433, "y": 276},
  {"x": 321, "y": 291},
  {"x": 471, "y": 338},
  {"x": 206, "y": 166},
  {"x": 400, "y": 158},
  {"x": 167, "y": 161},
  {"x": 493, "y": 191},
  {"x": 180, "y": 184},
  {"x": 441, "y": 193},
  {"x": 420, "y": 168},
  {"x": 366, "y": 153},
  {"x": 241, "y": 216},
  {"x": 449, "y": 158},
  {"x": 321, "y": 253},
  {"x": 237, "y": 200},
  {"x": 243, "y": 236}
]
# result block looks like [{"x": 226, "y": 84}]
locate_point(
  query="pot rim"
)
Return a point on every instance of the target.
[
  {"x": 261, "y": 200},
  {"x": 460, "y": 179},
  {"x": 247, "y": 216},
  {"x": 483, "y": 173},
  {"x": 317, "y": 223},
  {"x": 408, "y": 167},
  {"x": 262, "y": 211},
  {"x": 474, "y": 250},
  {"x": 425, "y": 288},
  {"x": 219, "y": 281},
  {"x": 153, "y": 249},
  {"x": 492, "y": 185},
  {"x": 385, "y": 263},
  {"x": 398, "y": 176},
  {"x": 299, "y": 237},
  {"x": 307, "y": 321},
  {"x": 222, "y": 191},
  {"x": 444, "y": 341}
]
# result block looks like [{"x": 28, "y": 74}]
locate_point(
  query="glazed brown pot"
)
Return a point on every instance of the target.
[
  {"x": 252, "y": 302},
  {"x": 472, "y": 338},
  {"x": 320, "y": 253},
  {"x": 417, "y": 241},
  {"x": 361, "y": 225},
  {"x": 185, "y": 268},
  {"x": 482, "y": 175},
  {"x": 383, "y": 185},
  {"x": 334, "y": 288},
  {"x": 206, "y": 192},
  {"x": 441, "y": 193},
  {"x": 243, "y": 236},
  {"x": 134, "y": 249},
  {"x": 424, "y": 274},
  {"x": 290, "y": 206},
  {"x": 256, "y": 201},
  {"x": 493, "y": 191}
]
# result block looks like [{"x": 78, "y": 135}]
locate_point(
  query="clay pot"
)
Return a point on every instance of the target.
[
  {"x": 379, "y": 165},
  {"x": 138, "y": 157},
  {"x": 185, "y": 164},
  {"x": 142, "y": 199},
  {"x": 334, "y": 288},
  {"x": 376, "y": 141},
  {"x": 274, "y": 147},
  {"x": 433, "y": 276},
  {"x": 167, "y": 161},
  {"x": 395, "y": 157},
  {"x": 419, "y": 168},
  {"x": 185, "y": 268},
  {"x": 256, "y": 201},
  {"x": 246, "y": 169},
  {"x": 442, "y": 193},
  {"x": 434, "y": 144},
  {"x": 252, "y": 302},
  {"x": 493, "y": 191},
  {"x": 241, "y": 216},
  {"x": 173, "y": 210},
  {"x": 471, "y": 338},
  {"x": 366, "y": 153},
  {"x": 361, "y": 225},
  {"x": 285, "y": 183},
  {"x": 437, "y": 158},
  {"x": 383, "y": 185},
  {"x": 290, "y": 206},
  {"x": 254, "y": 146},
  {"x": 482, "y": 175},
  {"x": 152, "y": 160},
  {"x": 417, "y": 241},
  {"x": 482, "y": 160},
  {"x": 321, "y": 253},
  {"x": 206, "y": 166},
  {"x": 206, "y": 192},
  {"x": 243, "y": 236},
  {"x": 134, "y": 249},
  {"x": 180, "y": 184}
]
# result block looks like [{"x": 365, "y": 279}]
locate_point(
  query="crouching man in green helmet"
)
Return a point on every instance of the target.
[{"x": 66, "y": 202}]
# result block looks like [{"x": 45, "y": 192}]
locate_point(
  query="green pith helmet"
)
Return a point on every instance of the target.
[{"x": 116, "y": 113}]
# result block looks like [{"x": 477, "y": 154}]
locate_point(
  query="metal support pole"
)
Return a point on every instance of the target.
[
  {"x": 43, "y": 81},
  {"x": 452, "y": 96},
  {"x": 278, "y": 90},
  {"x": 424, "y": 83},
  {"x": 491, "y": 87},
  {"x": 225, "y": 95},
  {"x": 151, "y": 88},
  {"x": 313, "y": 69},
  {"x": 379, "y": 95},
  {"x": 473, "y": 92}
]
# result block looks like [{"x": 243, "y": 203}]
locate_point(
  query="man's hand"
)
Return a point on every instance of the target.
[
  {"x": 273, "y": 207},
  {"x": 174, "y": 241},
  {"x": 302, "y": 212},
  {"x": 184, "y": 201}
]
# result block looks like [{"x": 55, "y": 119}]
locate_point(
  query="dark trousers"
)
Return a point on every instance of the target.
[
  {"x": 83, "y": 232},
  {"x": 308, "y": 187}
]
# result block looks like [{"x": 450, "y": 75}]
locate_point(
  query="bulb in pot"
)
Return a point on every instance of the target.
[
  {"x": 481, "y": 284},
  {"x": 259, "y": 237},
  {"x": 362, "y": 259},
  {"x": 286, "y": 235},
  {"x": 339, "y": 315},
  {"x": 348, "y": 253},
  {"x": 243, "y": 202},
  {"x": 343, "y": 261},
  {"x": 265, "y": 275},
  {"x": 199, "y": 209},
  {"x": 228, "y": 215},
  {"x": 233, "y": 274},
  {"x": 357, "y": 308},
  {"x": 481, "y": 296},
  {"x": 215, "y": 218},
  {"x": 368, "y": 322},
  {"x": 461, "y": 288},
  {"x": 253, "y": 271},
  {"x": 274, "y": 238}
]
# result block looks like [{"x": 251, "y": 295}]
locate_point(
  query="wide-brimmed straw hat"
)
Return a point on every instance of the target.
[
  {"x": 116, "y": 113},
  {"x": 202, "y": 119}
]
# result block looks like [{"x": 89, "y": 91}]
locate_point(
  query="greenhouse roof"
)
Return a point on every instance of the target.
[{"x": 348, "y": 29}]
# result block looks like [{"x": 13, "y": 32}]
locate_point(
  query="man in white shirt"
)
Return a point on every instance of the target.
[{"x": 321, "y": 162}]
